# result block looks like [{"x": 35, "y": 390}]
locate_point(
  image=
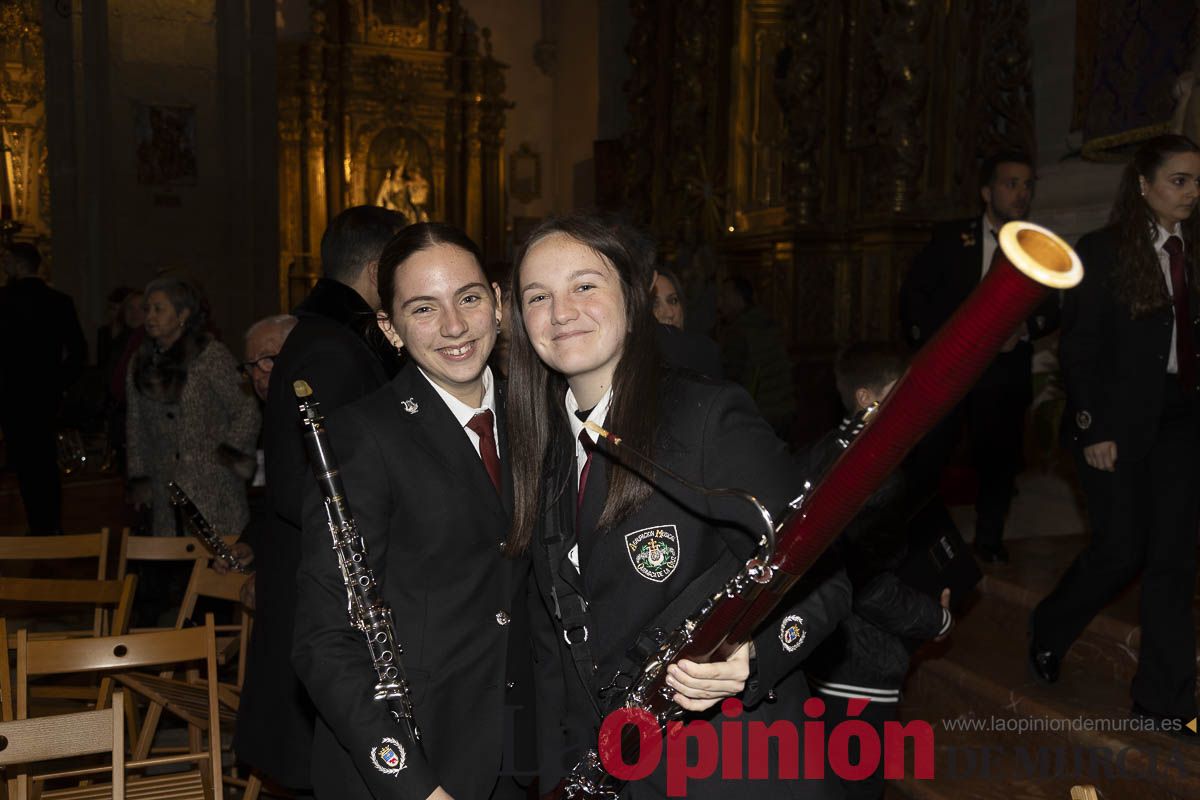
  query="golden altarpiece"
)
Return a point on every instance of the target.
[
  {"x": 810, "y": 145},
  {"x": 24, "y": 181},
  {"x": 396, "y": 103}
]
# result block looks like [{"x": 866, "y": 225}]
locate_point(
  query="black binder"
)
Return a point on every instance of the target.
[{"x": 938, "y": 558}]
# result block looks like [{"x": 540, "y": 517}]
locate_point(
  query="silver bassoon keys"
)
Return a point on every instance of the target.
[{"x": 368, "y": 611}]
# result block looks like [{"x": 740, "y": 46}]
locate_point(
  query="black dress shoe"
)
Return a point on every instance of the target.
[
  {"x": 991, "y": 553},
  {"x": 1043, "y": 663},
  {"x": 1178, "y": 727}
]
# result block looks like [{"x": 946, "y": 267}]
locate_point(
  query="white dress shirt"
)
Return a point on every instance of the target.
[
  {"x": 1164, "y": 262},
  {"x": 597, "y": 416},
  {"x": 463, "y": 412},
  {"x": 988, "y": 232}
]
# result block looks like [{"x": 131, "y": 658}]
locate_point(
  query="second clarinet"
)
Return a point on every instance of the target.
[
  {"x": 368, "y": 611},
  {"x": 200, "y": 527}
]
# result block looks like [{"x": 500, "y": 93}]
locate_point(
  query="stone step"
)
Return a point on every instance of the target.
[
  {"x": 980, "y": 673},
  {"x": 1111, "y": 640}
]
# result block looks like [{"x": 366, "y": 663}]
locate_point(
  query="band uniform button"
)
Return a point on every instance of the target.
[{"x": 502, "y": 618}]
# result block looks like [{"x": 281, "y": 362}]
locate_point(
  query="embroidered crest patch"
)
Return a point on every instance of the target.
[
  {"x": 792, "y": 633},
  {"x": 388, "y": 756},
  {"x": 654, "y": 552}
]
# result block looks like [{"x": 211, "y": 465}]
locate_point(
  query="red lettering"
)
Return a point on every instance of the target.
[
  {"x": 731, "y": 740},
  {"x": 868, "y": 750},
  {"x": 760, "y": 749},
  {"x": 679, "y": 771},
  {"x": 615, "y": 743},
  {"x": 814, "y": 739},
  {"x": 894, "y": 734}
]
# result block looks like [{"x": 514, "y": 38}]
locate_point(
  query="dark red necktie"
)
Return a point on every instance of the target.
[
  {"x": 481, "y": 424},
  {"x": 588, "y": 446},
  {"x": 1185, "y": 349}
]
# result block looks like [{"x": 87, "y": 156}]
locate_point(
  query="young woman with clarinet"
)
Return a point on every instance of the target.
[{"x": 422, "y": 465}]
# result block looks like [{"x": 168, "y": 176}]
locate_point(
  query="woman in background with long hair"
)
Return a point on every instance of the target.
[{"x": 1128, "y": 355}]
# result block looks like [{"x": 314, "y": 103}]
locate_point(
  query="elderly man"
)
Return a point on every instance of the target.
[{"x": 264, "y": 340}]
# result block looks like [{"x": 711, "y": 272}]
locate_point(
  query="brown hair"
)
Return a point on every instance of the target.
[
  {"x": 537, "y": 416},
  {"x": 1137, "y": 280}
]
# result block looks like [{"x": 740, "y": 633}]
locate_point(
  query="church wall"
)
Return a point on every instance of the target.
[
  {"x": 517, "y": 26},
  {"x": 209, "y": 210},
  {"x": 1073, "y": 195}
]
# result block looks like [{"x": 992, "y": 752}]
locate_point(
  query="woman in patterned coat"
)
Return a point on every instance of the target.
[{"x": 190, "y": 419}]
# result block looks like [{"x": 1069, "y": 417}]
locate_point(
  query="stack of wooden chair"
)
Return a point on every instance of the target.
[{"x": 80, "y": 684}]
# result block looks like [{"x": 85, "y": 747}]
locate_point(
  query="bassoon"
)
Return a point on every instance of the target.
[
  {"x": 1029, "y": 262},
  {"x": 369, "y": 613}
]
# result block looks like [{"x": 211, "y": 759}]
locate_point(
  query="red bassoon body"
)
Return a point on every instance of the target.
[{"x": 1029, "y": 262}]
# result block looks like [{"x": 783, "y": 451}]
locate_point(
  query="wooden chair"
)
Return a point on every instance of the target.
[
  {"x": 6, "y": 700},
  {"x": 232, "y": 640},
  {"x": 117, "y": 656},
  {"x": 161, "y": 548},
  {"x": 112, "y": 600},
  {"x": 68, "y": 735},
  {"x": 1083, "y": 793},
  {"x": 62, "y": 548}
]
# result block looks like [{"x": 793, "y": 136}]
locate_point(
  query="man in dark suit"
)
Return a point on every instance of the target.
[
  {"x": 423, "y": 465},
  {"x": 335, "y": 346},
  {"x": 42, "y": 354},
  {"x": 941, "y": 278}
]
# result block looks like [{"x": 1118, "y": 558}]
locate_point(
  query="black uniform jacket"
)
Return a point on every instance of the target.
[
  {"x": 328, "y": 349},
  {"x": 942, "y": 277},
  {"x": 712, "y": 435},
  {"x": 433, "y": 526},
  {"x": 42, "y": 349},
  {"x": 1113, "y": 365}
]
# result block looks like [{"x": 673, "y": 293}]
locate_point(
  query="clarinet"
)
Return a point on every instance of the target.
[
  {"x": 203, "y": 530},
  {"x": 1029, "y": 261},
  {"x": 369, "y": 613}
]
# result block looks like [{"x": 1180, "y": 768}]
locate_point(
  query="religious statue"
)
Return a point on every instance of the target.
[{"x": 404, "y": 188}]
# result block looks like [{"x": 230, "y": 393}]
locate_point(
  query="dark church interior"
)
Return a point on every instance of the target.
[{"x": 916, "y": 278}]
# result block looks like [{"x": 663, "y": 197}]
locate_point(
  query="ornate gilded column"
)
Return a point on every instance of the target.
[
  {"x": 24, "y": 181},
  {"x": 472, "y": 111},
  {"x": 491, "y": 140},
  {"x": 799, "y": 85},
  {"x": 314, "y": 134},
  {"x": 900, "y": 45}
]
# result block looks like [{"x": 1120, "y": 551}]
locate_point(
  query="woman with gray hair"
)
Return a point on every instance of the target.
[{"x": 189, "y": 418}]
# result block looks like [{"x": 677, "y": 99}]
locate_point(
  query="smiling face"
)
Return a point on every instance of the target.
[
  {"x": 574, "y": 313},
  {"x": 1171, "y": 192},
  {"x": 668, "y": 309},
  {"x": 445, "y": 316}
]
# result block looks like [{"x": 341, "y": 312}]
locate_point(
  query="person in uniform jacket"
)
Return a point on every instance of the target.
[
  {"x": 942, "y": 276},
  {"x": 421, "y": 460},
  {"x": 331, "y": 348},
  {"x": 868, "y": 656},
  {"x": 615, "y": 554},
  {"x": 1129, "y": 364},
  {"x": 42, "y": 352}
]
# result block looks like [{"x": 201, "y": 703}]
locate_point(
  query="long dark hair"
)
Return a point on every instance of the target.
[
  {"x": 537, "y": 416},
  {"x": 412, "y": 240},
  {"x": 1137, "y": 280},
  {"x": 161, "y": 374}
]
